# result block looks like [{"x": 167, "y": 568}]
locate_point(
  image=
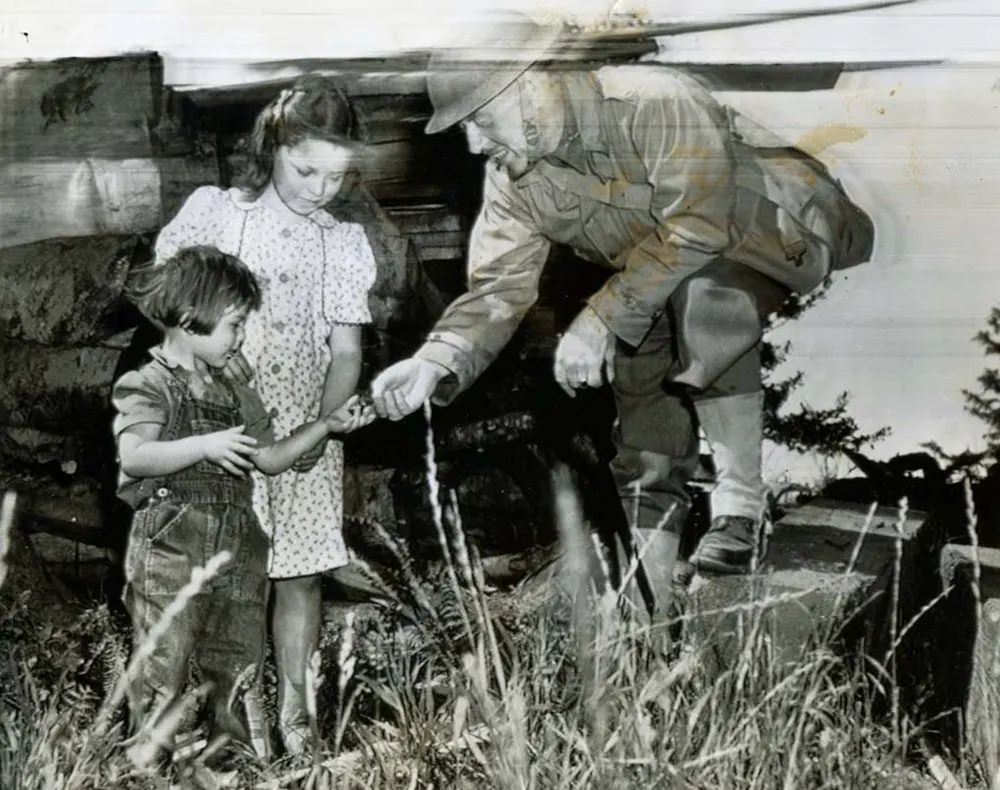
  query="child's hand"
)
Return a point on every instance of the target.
[
  {"x": 231, "y": 449},
  {"x": 238, "y": 369},
  {"x": 356, "y": 412},
  {"x": 308, "y": 460}
]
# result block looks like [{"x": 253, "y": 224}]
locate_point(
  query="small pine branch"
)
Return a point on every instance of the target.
[{"x": 985, "y": 404}]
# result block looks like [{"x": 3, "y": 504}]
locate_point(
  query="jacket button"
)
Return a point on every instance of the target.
[{"x": 162, "y": 492}]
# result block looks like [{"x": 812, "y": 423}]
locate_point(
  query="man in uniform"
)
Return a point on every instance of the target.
[{"x": 640, "y": 169}]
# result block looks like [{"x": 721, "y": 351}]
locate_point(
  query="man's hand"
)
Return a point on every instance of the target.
[
  {"x": 586, "y": 347},
  {"x": 402, "y": 388},
  {"x": 231, "y": 449}
]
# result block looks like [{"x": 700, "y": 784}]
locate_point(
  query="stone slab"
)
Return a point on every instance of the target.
[
  {"x": 827, "y": 571},
  {"x": 973, "y": 644}
]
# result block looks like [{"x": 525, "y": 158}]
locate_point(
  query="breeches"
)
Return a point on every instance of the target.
[{"x": 699, "y": 362}]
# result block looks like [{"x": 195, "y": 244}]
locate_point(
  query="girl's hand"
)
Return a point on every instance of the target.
[
  {"x": 308, "y": 460},
  {"x": 356, "y": 412},
  {"x": 238, "y": 369},
  {"x": 231, "y": 449}
]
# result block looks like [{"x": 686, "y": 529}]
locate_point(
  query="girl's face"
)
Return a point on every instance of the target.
[
  {"x": 309, "y": 174},
  {"x": 218, "y": 347}
]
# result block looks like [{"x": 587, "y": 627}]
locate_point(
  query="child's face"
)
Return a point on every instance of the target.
[
  {"x": 309, "y": 174},
  {"x": 217, "y": 348}
]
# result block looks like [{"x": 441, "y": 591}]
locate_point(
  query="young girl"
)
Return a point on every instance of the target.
[
  {"x": 304, "y": 345},
  {"x": 186, "y": 439}
]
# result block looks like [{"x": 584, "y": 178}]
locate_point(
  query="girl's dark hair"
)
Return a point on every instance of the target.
[
  {"x": 194, "y": 289},
  {"x": 314, "y": 107}
]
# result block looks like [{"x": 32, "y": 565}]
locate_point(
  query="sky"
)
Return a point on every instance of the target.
[{"x": 919, "y": 147}]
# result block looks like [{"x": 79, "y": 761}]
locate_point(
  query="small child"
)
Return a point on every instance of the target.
[{"x": 187, "y": 437}]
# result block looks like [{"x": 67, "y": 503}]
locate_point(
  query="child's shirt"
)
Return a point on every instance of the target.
[{"x": 156, "y": 393}]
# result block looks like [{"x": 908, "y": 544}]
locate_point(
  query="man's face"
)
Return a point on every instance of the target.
[{"x": 496, "y": 131}]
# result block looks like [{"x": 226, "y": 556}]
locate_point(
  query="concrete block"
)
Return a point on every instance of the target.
[
  {"x": 827, "y": 572},
  {"x": 973, "y": 645}
]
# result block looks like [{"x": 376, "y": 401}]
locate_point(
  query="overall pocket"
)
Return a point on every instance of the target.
[
  {"x": 160, "y": 518},
  {"x": 156, "y": 562}
]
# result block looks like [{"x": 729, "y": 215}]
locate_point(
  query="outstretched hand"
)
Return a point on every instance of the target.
[
  {"x": 403, "y": 388},
  {"x": 231, "y": 449},
  {"x": 354, "y": 413},
  {"x": 586, "y": 349}
]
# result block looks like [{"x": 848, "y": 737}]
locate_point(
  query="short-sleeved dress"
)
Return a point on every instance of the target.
[{"x": 314, "y": 273}]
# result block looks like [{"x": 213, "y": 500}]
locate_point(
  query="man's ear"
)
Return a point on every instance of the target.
[
  {"x": 540, "y": 104},
  {"x": 185, "y": 321}
]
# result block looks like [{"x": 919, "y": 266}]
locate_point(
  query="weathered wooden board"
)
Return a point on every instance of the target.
[
  {"x": 47, "y": 198},
  {"x": 80, "y": 108},
  {"x": 62, "y": 292},
  {"x": 385, "y": 119},
  {"x": 427, "y": 218}
]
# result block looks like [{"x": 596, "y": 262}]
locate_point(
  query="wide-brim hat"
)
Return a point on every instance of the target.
[{"x": 462, "y": 79}]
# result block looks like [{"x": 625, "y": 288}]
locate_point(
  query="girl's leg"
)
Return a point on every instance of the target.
[{"x": 297, "y": 612}]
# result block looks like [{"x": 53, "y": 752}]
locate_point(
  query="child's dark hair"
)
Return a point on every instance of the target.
[
  {"x": 194, "y": 289},
  {"x": 314, "y": 107}
]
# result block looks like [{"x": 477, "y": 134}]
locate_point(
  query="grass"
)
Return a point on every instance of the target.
[{"x": 548, "y": 686}]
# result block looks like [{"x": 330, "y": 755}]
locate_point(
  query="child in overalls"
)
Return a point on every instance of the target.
[
  {"x": 187, "y": 437},
  {"x": 303, "y": 345}
]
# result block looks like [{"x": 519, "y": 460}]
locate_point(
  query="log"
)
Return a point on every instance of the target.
[
  {"x": 80, "y": 108},
  {"x": 57, "y": 390},
  {"x": 66, "y": 291},
  {"x": 45, "y": 198}
]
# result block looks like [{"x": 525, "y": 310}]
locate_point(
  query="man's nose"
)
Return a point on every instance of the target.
[{"x": 474, "y": 138}]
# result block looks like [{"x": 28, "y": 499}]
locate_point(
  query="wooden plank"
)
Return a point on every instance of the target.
[
  {"x": 46, "y": 198},
  {"x": 363, "y": 77},
  {"x": 442, "y": 239},
  {"x": 65, "y": 291},
  {"x": 430, "y": 253},
  {"x": 79, "y": 108},
  {"x": 432, "y": 218},
  {"x": 392, "y": 118}
]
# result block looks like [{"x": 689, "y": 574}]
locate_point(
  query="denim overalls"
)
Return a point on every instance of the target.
[{"x": 182, "y": 521}]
